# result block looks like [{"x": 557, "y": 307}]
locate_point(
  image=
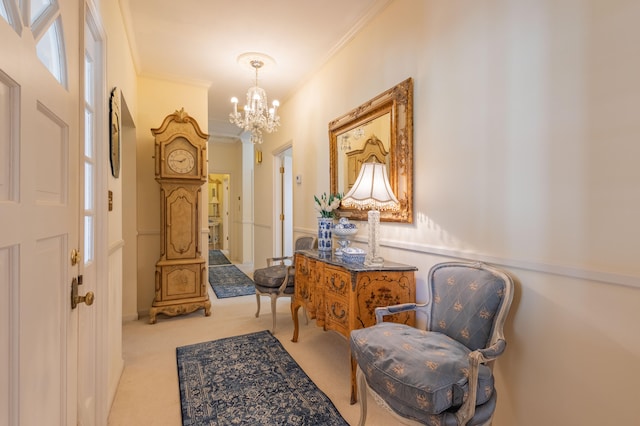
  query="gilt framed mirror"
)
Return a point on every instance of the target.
[{"x": 379, "y": 130}]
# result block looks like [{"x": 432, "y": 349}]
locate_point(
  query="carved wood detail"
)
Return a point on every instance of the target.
[
  {"x": 343, "y": 297},
  {"x": 181, "y": 273}
]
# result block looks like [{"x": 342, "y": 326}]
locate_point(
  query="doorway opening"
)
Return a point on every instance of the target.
[
  {"x": 283, "y": 229},
  {"x": 218, "y": 211}
]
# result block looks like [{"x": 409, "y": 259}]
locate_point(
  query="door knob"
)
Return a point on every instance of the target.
[
  {"x": 87, "y": 298},
  {"x": 76, "y": 299}
]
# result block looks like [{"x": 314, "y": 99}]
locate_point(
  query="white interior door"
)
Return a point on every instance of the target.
[
  {"x": 287, "y": 204},
  {"x": 225, "y": 214},
  {"x": 283, "y": 205},
  {"x": 91, "y": 373},
  {"x": 39, "y": 205}
]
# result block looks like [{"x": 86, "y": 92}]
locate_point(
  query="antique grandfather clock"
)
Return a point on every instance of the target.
[{"x": 180, "y": 163}]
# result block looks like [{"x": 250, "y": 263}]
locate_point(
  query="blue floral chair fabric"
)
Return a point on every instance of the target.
[
  {"x": 277, "y": 279},
  {"x": 443, "y": 375}
]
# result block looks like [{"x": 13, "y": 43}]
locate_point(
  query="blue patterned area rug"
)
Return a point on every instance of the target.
[
  {"x": 229, "y": 281},
  {"x": 249, "y": 380},
  {"x": 216, "y": 257}
]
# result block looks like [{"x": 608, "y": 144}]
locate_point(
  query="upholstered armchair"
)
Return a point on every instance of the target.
[
  {"x": 277, "y": 279},
  {"x": 442, "y": 375}
]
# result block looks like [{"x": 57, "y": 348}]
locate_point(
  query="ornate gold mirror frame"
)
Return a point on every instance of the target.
[{"x": 379, "y": 130}]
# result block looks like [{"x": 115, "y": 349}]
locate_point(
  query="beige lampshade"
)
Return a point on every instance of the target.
[{"x": 371, "y": 190}]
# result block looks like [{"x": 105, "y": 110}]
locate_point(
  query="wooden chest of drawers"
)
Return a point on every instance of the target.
[{"x": 343, "y": 297}]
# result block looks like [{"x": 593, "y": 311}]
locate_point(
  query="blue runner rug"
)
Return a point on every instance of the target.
[
  {"x": 249, "y": 380},
  {"x": 229, "y": 281},
  {"x": 216, "y": 257}
]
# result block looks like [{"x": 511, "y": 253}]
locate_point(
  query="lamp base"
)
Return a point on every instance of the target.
[
  {"x": 373, "y": 258},
  {"x": 373, "y": 261}
]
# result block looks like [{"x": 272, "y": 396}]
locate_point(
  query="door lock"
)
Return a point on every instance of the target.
[
  {"x": 75, "y": 257},
  {"x": 75, "y": 299}
]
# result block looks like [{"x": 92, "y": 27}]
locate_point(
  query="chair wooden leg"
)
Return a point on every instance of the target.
[
  {"x": 258, "y": 302},
  {"x": 362, "y": 395},
  {"x": 274, "y": 299}
]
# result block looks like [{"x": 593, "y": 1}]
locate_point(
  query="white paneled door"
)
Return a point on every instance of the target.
[
  {"x": 92, "y": 409},
  {"x": 40, "y": 212}
]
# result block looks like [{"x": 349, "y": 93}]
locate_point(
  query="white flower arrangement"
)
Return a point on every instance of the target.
[{"x": 327, "y": 204}]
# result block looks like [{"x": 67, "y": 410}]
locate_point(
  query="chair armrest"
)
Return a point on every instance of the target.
[
  {"x": 383, "y": 311},
  {"x": 477, "y": 357},
  {"x": 290, "y": 272},
  {"x": 492, "y": 352}
]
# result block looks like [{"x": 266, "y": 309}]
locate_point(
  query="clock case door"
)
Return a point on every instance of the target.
[{"x": 180, "y": 220}]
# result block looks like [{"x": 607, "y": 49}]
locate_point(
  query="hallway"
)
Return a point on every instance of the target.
[{"x": 148, "y": 392}]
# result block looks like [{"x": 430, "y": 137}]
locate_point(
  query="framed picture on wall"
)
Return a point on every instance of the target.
[{"x": 114, "y": 131}]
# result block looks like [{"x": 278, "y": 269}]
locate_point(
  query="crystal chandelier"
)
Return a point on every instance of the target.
[
  {"x": 345, "y": 144},
  {"x": 257, "y": 116}
]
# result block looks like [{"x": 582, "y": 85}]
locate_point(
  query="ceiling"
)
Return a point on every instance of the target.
[{"x": 199, "y": 42}]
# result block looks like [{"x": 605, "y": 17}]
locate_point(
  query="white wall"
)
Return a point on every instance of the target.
[
  {"x": 121, "y": 73},
  {"x": 525, "y": 149}
]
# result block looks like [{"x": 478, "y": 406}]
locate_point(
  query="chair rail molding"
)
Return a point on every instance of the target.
[{"x": 574, "y": 272}]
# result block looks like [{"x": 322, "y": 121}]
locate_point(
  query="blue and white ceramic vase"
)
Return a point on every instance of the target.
[{"x": 324, "y": 234}]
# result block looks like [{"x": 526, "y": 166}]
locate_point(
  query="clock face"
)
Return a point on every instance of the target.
[{"x": 181, "y": 161}]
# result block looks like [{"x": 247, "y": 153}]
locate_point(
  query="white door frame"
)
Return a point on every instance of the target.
[
  {"x": 283, "y": 201},
  {"x": 93, "y": 327}
]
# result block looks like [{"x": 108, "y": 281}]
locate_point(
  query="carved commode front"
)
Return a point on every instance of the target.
[
  {"x": 180, "y": 168},
  {"x": 342, "y": 297}
]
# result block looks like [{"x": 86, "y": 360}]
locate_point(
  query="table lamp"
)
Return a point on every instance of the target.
[{"x": 372, "y": 191}]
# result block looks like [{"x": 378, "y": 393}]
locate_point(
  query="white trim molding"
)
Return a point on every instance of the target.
[{"x": 545, "y": 268}]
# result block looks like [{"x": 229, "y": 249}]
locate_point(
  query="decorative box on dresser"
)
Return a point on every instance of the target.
[{"x": 343, "y": 297}]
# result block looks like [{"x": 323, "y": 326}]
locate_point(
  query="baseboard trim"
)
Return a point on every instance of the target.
[{"x": 130, "y": 317}]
